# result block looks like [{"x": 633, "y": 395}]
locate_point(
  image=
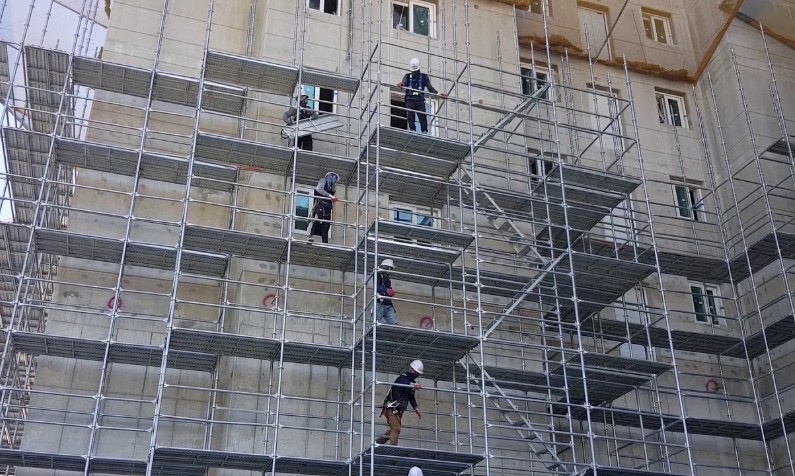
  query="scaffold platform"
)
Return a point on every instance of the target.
[
  {"x": 410, "y": 250},
  {"x": 260, "y": 348},
  {"x": 46, "y": 72},
  {"x": 66, "y": 462},
  {"x": 404, "y": 149},
  {"x": 267, "y": 158},
  {"x": 409, "y": 187},
  {"x": 62, "y": 243},
  {"x": 311, "y": 166},
  {"x": 777, "y": 334},
  {"x": 396, "y": 346},
  {"x": 158, "y": 167},
  {"x": 611, "y": 471},
  {"x": 398, "y": 460},
  {"x": 270, "y": 77},
  {"x": 174, "y": 89},
  {"x": 424, "y": 234},
  {"x": 118, "y": 352}
]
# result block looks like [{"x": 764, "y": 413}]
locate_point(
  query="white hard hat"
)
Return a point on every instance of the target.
[
  {"x": 387, "y": 263},
  {"x": 415, "y": 471},
  {"x": 414, "y": 64},
  {"x": 417, "y": 366}
]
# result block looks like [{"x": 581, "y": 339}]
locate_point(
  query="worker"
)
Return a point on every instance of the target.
[
  {"x": 397, "y": 401},
  {"x": 324, "y": 203},
  {"x": 415, "y": 84},
  {"x": 303, "y": 112},
  {"x": 384, "y": 309},
  {"x": 415, "y": 471}
]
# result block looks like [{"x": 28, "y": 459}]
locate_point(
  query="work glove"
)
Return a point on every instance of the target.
[
  {"x": 390, "y": 292},
  {"x": 315, "y": 115}
]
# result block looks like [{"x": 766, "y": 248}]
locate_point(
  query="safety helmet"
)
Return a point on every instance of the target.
[
  {"x": 387, "y": 264},
  {"x": 415, "y": 471},
  {"x": 417, "y": 366},
  {"x": 414, "y": 64}
]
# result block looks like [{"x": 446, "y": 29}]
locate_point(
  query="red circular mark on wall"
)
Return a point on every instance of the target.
[
  {"x": 712, "y": 386},
  {"x": 112, "y": 303},
  {"x": 269, "y": 301},
  {"x": 426, "y": 322}
]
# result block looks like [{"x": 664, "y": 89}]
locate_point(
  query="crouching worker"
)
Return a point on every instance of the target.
[
  {"x": 324, "y": 204},
  {"x": 296, "y": 114},
  {"x": 397, "y": 401}
]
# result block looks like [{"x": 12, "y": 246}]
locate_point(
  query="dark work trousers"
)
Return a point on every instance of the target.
[
  {"x": 305, "y": 142},
  {"x": 416, "y": 108},
  {"x": 322, "y": 212}
]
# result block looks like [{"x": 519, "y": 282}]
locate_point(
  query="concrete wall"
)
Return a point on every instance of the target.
[{"x": 158, "y": 210}]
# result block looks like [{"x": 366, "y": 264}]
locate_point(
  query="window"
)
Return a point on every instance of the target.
[
  {"x": 303, "y": 207},
  {"x": 593, "y": 32},
  {"x": 539, "y": 168},
  {"x": 706, "y": 303},
  {"x": 536, "y": 6},
  {"x": 689, "y": 202},
  {"x": 658, "y": 27},
  {"x": 415, "y": 17},
  {"x": 607, "y": 117},
  {"x": 304, "y": 202},
  {"x": 671, "y": 109},
  {"x": 321, "y": 99},
  {"x": 325, "y": 6},
  {"x": 534, "y": 78},
  {"x": 414, "y": 216},
  {"x": 635, "y": 313}
]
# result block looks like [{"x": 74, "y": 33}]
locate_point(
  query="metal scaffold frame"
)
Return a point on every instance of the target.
[{"x": 166, "y": 309}]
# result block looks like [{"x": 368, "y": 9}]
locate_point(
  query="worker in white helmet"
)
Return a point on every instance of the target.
[
  {"x": 397, "y": 401},
  {"x": 415, "y": 83},
  {"x": 415, "y": 471},
  {"x": 384, "y": 309}
]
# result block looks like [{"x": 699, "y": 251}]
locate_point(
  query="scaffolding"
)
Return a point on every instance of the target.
[{"x": 166, "y": 312}]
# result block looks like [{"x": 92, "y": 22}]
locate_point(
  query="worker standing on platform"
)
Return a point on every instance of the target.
[
  {"x": 397, "y": 401},
  {"x": 415, "y": 83},
  {"x": 324, "y": 204},
  {"x": 302, "y": 112},
  {"x": 384, "y": 309}
]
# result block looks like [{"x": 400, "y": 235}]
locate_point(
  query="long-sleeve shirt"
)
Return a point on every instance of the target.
[
  {"x": 415, "y": 84},
  {"x": 323, "y": 205},
  {"x": 400, "y": 397},
  {"x": 289, "y": 115},
  {"x": 383, "y": 283}
]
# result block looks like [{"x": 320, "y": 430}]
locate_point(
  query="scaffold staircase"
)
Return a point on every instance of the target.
[
  {"x": 498, "y": 218},
  {"x": 546, "y": 451}
]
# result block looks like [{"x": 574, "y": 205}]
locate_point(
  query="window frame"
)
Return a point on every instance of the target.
[
  {"x": 301, "y": 192},
  {"x": 651, "y": 31},
  {"x": 713, "y": 306},
  {"x": 415, "y": 212},
  {"x": 540, "y": 8},
  {"x": 314, "y": 98},
  {"x": 321, "y": 7},
  {"x": 533, "y": 80},
  {"x": 668, "y": 117},
  {"x": 695, "y": 202},
  {"x": 409, "y": 4}
]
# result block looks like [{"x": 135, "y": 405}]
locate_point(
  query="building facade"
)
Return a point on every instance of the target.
[{"x": 593, "y": 242}]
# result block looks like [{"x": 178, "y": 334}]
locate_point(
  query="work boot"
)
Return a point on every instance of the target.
[{"x": 381, "y": 440}]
